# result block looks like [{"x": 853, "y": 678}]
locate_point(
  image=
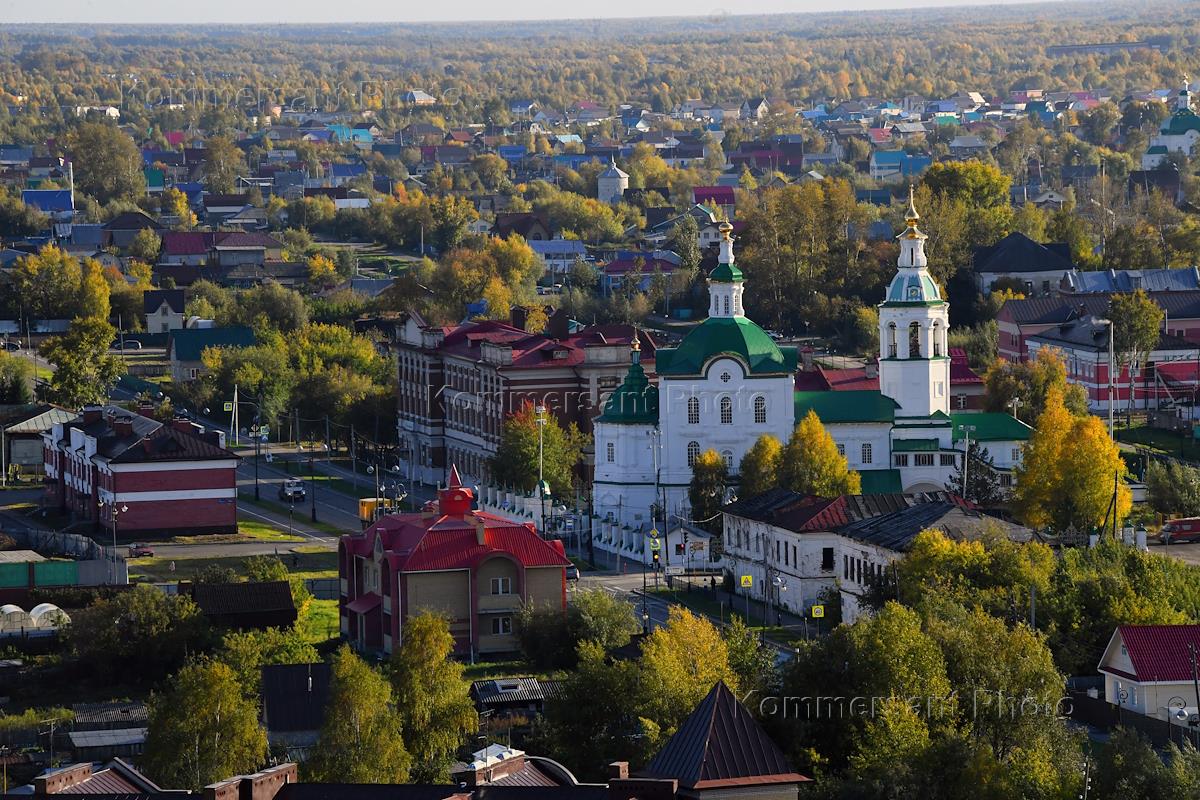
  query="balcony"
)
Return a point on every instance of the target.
[{"x": 499, "y": 602}]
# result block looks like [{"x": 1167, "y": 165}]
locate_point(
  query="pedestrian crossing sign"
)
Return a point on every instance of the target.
[
  {"x": 747, "y": 581},
  {"x": 818, "y": 612},
  {"x": 228, "y": 406}
]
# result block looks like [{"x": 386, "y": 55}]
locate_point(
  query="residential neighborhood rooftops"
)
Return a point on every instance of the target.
[
  {"x": 1017, "y": 253},
  {"x": 188, "y": 343}
]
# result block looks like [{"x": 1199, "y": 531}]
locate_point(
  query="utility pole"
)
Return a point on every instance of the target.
[
  {"x": 540, "y": 413},
  {"x": 1195, "y": 675},
  {"x": 967, "y": 430}
]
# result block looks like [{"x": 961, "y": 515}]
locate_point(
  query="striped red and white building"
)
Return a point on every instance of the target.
[{"x": 147, "y": 479}]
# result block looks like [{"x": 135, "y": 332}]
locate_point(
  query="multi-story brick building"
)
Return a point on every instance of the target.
[
  {"x": 458, "y": 384},
  {"x": 145, "y": 479},
  {"x": 475, "y": 568}
]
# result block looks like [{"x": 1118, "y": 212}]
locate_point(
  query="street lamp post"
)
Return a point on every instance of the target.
[
  {"x": 968, "y": 430},
  {"x": 312, "y": 479},
  {"x": 540, "y": 413},
  {"x": 1109, "y": 392},
  {"x": 112, "y": 514}
]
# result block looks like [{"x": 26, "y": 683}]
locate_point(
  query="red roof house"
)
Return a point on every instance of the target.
[
  {"x": 476, "y": 569},
  {"x": 1149, "y": 669}
]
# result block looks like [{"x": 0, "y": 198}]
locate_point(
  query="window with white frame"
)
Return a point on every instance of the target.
[
  {"x": 693, "y": 411},
  {"x": 726, "y": 411},
  {"x": 693, "y": 450},
  {"x": 610, "y": 452},
  {"x": 1016, "y": 454},
  {"x": 760, "y": 410},
  {"x": 727, "y": 457},
  {"x": 501, "y": 585},
  {"x": 866, "y": 453}
]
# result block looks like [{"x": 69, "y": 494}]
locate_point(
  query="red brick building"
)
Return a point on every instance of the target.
[
  {"x": 476, "y": 569},
  {"x": 156, "y": 479},
  {"x": 458, "y": 384}
]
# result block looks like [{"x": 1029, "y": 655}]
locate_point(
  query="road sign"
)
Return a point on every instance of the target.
[
  {"x": 818, "y": 612},
  {"x": 747, "y": 581},
  {"x": 655, "y": 544},
  {"x": 673, "y": 570},
  {"x": 228, "y": 406}
]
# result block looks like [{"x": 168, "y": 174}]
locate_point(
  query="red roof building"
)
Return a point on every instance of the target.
[
  {"x": 1149, "y": 669},
  {"x": 475, "y": 568},
  {"x": 966, "y": 385},
  {"x": 135, "y": 477}
]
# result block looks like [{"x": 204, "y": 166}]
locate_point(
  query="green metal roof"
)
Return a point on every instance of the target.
[
  {"x": 635, "y": 401},
  {"x": 1158, "y": 149},
  {"x": 737, "y": 337},
  {"x": 991, "y": 427},
  {"x": 863, "y": 405},
  {"x": 915, "y": 445},
  {"x": 881, "y": 481},
  {"x": 1181, "y": 122},
  {"x": 726, "y": 273},
  {"x": 187, "y": 344}
]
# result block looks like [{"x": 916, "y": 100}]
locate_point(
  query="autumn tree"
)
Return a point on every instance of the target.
[
  {"x": 202, "y": 729},
  {"x": 247, "y": 652},
  {"x": 1021, "y": 387},
  {"x": 811, "y": 463},
  {"x": 145, "y": 246},
  {"x": 680, "y": 663},
  {"x": 706, "y": 492},
  {"x": 94, "y": 291},
  {"x": 516, "y": 461},
  {"x": 322, "y": 272},
  {"x": 175, "y": 204},
  {"x": 360, "y": 740},
  {"x": 432, "y": 698},
  {"x": 1173, "y": 488},
  {"x": 1069, "y": 471},
  {"x": 16, "y": 379},
  {"x": 760, "y": 468},
  {"x": 47, "y": 284}
]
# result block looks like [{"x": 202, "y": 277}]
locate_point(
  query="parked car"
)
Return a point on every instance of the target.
[
  {"x": 12, "y": 347},
  {"x": 292, "y": 491},
  {"x": 130, "y": 344},
  {"x": 140, "y": 551},
  {"x": 572, "y": 573},
  {"x": 1180, "y": 530}
]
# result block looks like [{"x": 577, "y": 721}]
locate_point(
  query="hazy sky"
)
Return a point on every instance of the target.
[{"x": 304, "y": 11}]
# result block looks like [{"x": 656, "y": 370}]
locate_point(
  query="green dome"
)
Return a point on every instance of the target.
[
  {"x": 634, "y": 402},
  {"x": 1181, "y": 122},
  {"x": 737, "y": 337},
  {"x": 726, "y": 273}
]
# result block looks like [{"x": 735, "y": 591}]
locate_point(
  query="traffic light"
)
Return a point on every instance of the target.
[{"x": 654, "y": 556}]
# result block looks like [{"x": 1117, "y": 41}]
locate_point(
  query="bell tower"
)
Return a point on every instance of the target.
[{"x": 914, "y": 364}]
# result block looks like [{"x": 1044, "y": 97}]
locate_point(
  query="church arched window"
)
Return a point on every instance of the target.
[
  {"x": 611, "y": 452},
  {"x": 914, "y": 340},
  {"x": 760, "y": 410},
  {"x": 725, "y": 304},
  {"x": 727, "y": 456},
  {"x": 693, "y": 411},
  {"x": 937, "y": 339},
  {"x": 891, "y": 343},
  {"x": 726, "y": 411},
  {"x": 693, "y": 451}
]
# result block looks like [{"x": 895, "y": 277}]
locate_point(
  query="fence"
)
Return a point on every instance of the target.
[
  {"x": 1100, "y": 713},
  {"x": 96, "y": 564},
  {"x": 323, "y": 588}
]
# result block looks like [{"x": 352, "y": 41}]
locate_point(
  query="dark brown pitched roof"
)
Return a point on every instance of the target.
[
  {"x": 220, "y": 599},
  {"x": 720, "y": 745}
]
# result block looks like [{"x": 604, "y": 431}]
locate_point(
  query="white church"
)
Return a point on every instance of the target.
[
  {"x": 1178, "y": 134},
  {"x": 728, "y": 382}
]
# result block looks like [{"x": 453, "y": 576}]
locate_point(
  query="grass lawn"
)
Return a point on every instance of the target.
[
  {"x": 248, "y": 531},
  {"x": 319, "y": 623},
  {"x": 157, "y": 568},
  {"x": 300, "y": 514},
  {"x": 503, "y": 669},
  {"x": 1162, "y": 441}
]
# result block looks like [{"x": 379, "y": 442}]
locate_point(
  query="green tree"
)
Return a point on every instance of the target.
[
  {"x": 680, "y": 663},
  {"x": 1137, "y": 325},
  {"x": 360, "y": 740},
  {"x": 759, "y": 470},
  {"x": 18, "y": 219},
  {"x": 813, "y": 465},
  {"x": 145, "y": 246},
  {"x": 84, "y": 371},
  {"x": 603, "y": 618},
  {"x": 47, "y": 283},
  {"x": 1173, "y": 488},
  {"x": 706, "y": 492},
  {"x": 971, "y": 182},
  {"x": 751, "y": 660},
  {"x": 16, "y": 379},
  {"x": 94, "y": 292},
  {"x": 983, "y": 481},
  {"x": 432, "y": 698},
  {"x": 516, "y": 461},
  {"x": 224, "y": 161},
  {"x": 247, "y": 652},
  {"x": 107, "y": 163},
  {"x": 203, "y": 729},
  {"x": 137, "y": 636}
]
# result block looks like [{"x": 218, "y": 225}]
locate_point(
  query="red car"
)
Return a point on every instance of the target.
[
  {"x": 1180, "y": 530},
  {"x": 140, "y": 550}
]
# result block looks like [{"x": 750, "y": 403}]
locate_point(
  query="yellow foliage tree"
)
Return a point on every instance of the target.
[
  {"x": 759, "y": 468},
  {"x": 813, "y": 465},
  {"x": 94, "y": 291},
  {"x": 681, "y": 662},
  {"x": 1069, "y": 469},
  {"x": 175, "y": 204},
  {"x": 321, "y": 271}
]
